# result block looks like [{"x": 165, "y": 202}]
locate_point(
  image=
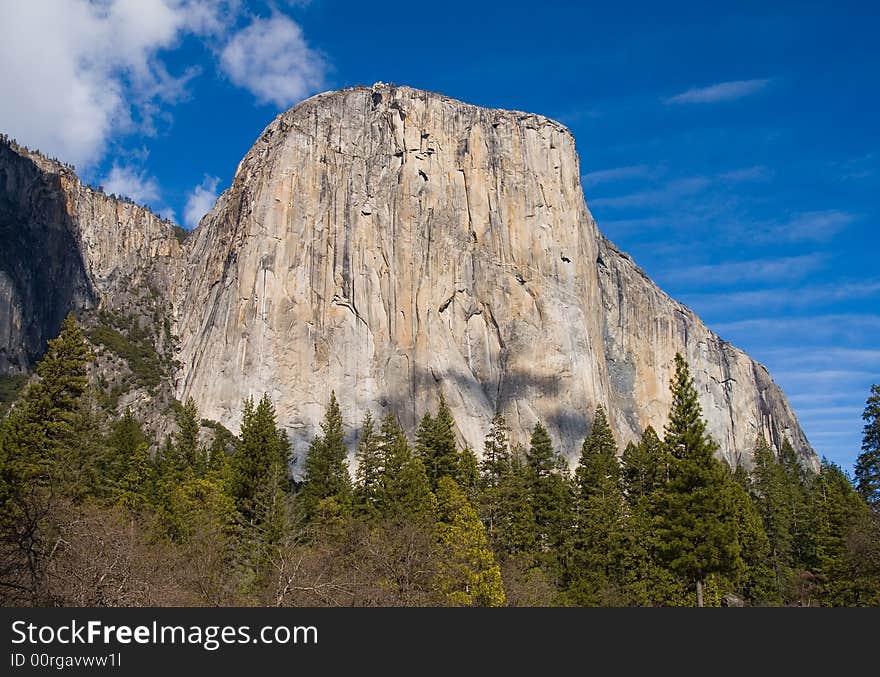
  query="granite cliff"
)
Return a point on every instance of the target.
[{"x": 389, "y": 244}]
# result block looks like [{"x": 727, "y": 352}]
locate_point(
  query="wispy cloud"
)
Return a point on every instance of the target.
[
  {"x": 758, "y": 270},
  {"x": 853, "y": 329},
  {"x": 272, "y": 59},
  {"x": 616, "y": 174},
  {"x": 823, "y": 357},
  {"x": 99, "y": 70},
  {"x": 722, "y": 91},
  {"x": 813, "y": 226},
  {"x": 200, "y": 200},
  {"x": 132, "y": 183},
  {"x": 756, "y": 173},
  {"x": 782, "y": 298},
  {"x": 665, "y": 195}
]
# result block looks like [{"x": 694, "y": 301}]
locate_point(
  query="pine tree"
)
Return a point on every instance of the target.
[
  {"x": 494, "y": 468},
  {"x": 514, "y": 530},
  {"x": 645, "y": 466},
  {"x": 262, "y": 454},
  {"x": 697, "y": 527},
  {"x": 601, "y": 526},
  {"x": 867, "y": 469},
  {"x": 467, "y": 573},
  {"x": 36, "y": 438},
  {"x": 134, "y": 488},
  {"x": 327, "y": 484},
  {"x": 837, "y": 509},
  {"x": 496, "y": 452},
  {"x": 435, "y": 444},
  {"x": 404, "y": 490},
  {"x": 368, "y": 475},
  {"x": 126, "y": 437},
  {"x": 774, "y": 500},
  {"x": 754, "y": 576},
  {"x": 550, "y": 497},
  {"x": 797, "y": 482},
  {"x": 468, "y": 474},
  {"x": 187, "y": 437}
]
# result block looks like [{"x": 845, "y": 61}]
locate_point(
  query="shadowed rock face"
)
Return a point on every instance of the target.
[
  {"x": 392, "y": 244},
  {"x": 67, "y": 248}
]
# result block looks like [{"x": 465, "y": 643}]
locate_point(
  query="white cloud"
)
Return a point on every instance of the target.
[
  {"x": 666, "y": 195},
  {"x": 272, "y": 60},
  {"x": 756, "y": 173},
  {"x": 722, "y": 91},
  {"x": 834, "y": 329},
  {"x": 132, "y": 183},
  {"x": 200, "y": 200},
  {"x": 77, "y": 72},
  {"x": 757, "y": 270},
  {"x": 782, "y": 298},
  {"x": 814, "y": 226}
]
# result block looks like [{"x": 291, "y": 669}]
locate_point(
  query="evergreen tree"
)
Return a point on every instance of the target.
[
  {"x": 797, "y": 482},
  {"x": 601, "y": 524},
  {"x": 468, "y": 473},
  {"x": 134, "y": 488},
  {"x": 368, "y": 476},
  {"x": 435, "y": 444},
  {"x": 697, "y": 523},
  {"x": 404, "y": 490},
  {"x": 867, "y": 469},
  {"x": 754, "y": 577},
  {"x": 38, "y": 433},
  {"x": 645, "y": 466},
  {"x": 187, "y": 437},
  {"x": 494, "y": 467},
  {"x": 326, "y": 478},
  {"x": 513, "y": 530},
  {"x": 467, "y": 573},
  {"x": 837, "y": 509},
  {"x": 496, "y": 452},
  {"x": 774, "y": 499},
  {"x": 261, "y": 456},
  {"x": 550, "y": 497}
]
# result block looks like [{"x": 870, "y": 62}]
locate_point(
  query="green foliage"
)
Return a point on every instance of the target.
[
  {"x": 435, "y": 444},
  {"x": 696, "y": 529},
  {"x": 404, "y": 490},
  {"x": 551, "y": 499},
  {"x": 187, "y": 438},
  {"x": 180, "y": 234},
  {"x": 260, "y": 457},
  {"x": 123, "y": 336},
  {"x": 601, "y": 531},
  {"x": 368, "y": 475},
  {"x": 468, "y": 574},
  {"x": 326, "y": 470},
  {"x": 645, "y": 466},
  {"x": 10, "y": 387},
  {"x": 512, "y": 528},
  {"x": 867, "y": 468}
]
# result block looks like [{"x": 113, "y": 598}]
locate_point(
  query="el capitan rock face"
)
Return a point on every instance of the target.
[{"x": 393, "y": 244}]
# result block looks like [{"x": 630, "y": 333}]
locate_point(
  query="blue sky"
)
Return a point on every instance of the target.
[{"x": 733, "y": 151}]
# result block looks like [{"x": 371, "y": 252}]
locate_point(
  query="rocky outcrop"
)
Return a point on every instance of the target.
[
  {"x": 68, "y": 247},
  {"x": 393, "y": 244},
  {"x": 390, "y": 244}
]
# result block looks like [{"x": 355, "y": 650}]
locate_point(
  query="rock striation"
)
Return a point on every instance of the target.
[{"x": 392, "y": 244}]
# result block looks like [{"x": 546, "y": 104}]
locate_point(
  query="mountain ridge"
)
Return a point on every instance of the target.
[{"x": 383, "y": 169}]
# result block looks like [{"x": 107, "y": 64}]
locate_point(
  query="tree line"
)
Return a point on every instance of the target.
[{"x": 89, "y": 516}]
